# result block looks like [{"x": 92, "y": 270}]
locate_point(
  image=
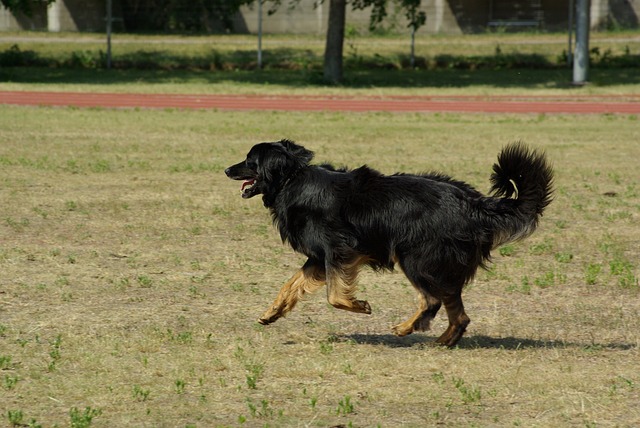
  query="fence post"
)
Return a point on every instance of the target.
[
  {"x": 581, "y": 55},
  {"x": 109, "y": 21},
  {"x": 259, "y": 34}
]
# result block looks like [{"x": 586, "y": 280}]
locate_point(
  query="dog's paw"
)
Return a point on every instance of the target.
[
  {"x": 268, "y": 318},
  {"x": 401, "y": 330},
  {"x": 451, "y": 336},
  {"x": 366, "y": 307},
  {"x": 270, "y": 315}
]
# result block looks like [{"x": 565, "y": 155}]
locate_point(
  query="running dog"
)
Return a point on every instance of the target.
[{"x": 437, "y": 229}]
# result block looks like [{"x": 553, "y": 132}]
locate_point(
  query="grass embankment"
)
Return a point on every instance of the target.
[{"x": 485, "y": 63}]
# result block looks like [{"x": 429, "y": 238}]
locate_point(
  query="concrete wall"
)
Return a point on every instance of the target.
[
  {"x": 448, "y": 16},
  {"x": 83, "y": 15},
  {"x": 615, "y": 13},
  {"x": 62, "y": 15},
  {"x": 19, "y": 21},
  {"x": 308, "y": 18},
  {"x": 77, "y": 15},
  {"x": 443, "y": 16}
]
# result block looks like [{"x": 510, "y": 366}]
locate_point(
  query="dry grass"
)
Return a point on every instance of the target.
[{"x": 132, "y": 275}]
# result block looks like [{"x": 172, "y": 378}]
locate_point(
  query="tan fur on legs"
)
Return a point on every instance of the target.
[
  {"x": 424, "y": 322},
  {"x": 458, "y": 321},
  {"x": 420, "y": 321},
  {"x": 341, "y": 287},
  {"x": 407, "y": 327},
  {"x": 307, "y": 280}
]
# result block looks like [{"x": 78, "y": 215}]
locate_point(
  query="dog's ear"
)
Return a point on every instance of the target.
[{"x": 299, "y": 152}]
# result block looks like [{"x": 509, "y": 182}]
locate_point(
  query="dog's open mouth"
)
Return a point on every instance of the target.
[
  {"x": 247, "y": 187},
  {"x": 248, "y": 176}
]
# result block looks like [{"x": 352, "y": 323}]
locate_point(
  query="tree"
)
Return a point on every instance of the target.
[
  {"x": 417, "y": 18},
  {"x": 24, "y": 6},
  {"x": 335, "y": 41},
  {"x": 336, "y": 26},
  {"x": 335, "y": 29}
]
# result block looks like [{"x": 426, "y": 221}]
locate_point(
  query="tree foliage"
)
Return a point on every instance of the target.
[
  {"x": 159, "y": 15},
  {"x": 414, "y": 15},
  {"x": 24, "y": 6},
  {"x": 179, "y": 15}
]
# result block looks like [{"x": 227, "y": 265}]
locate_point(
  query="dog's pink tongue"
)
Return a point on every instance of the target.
[{"x": 247, "y": 183}]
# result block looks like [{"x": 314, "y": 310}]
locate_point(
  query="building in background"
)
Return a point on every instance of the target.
[{"x": 443, "y": 16}]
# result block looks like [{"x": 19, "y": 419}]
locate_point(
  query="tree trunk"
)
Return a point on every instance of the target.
[{"x": 335, "y": 41}]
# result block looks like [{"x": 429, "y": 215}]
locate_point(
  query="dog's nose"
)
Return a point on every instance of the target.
[{"x": 227, "y": 171}]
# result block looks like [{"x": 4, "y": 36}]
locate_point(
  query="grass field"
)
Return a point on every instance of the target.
[{"x": 132, "y": 276}]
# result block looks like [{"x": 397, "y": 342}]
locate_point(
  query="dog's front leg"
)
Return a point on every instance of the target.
[
  {"x": 306, "y": 280},
  {"x": 341, "y": 288}
]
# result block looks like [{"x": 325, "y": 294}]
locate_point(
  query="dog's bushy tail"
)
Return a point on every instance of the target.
[{"x": 522, "y": 179}]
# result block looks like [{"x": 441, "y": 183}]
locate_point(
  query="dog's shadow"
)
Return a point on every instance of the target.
[{"x": 476, "y": 342}]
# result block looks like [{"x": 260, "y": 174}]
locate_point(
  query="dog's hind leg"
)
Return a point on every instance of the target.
[
  {"x": 428, "y": 306},
  {"x": 420, "y": 321},
  {"x": 341, "y": 287},
  {"x": 458, "y": 320},
  {"x": 306, "y": 280}
]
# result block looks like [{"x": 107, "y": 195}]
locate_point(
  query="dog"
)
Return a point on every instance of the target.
[{"x": 437, "y": 229}]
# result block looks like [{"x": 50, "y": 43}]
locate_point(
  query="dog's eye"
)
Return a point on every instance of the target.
[{"x": 251, "y": 164}]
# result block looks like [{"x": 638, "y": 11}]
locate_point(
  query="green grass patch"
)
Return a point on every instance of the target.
[
  {"x": 228, "y": 63},
  {"x": 303, "y": 52}
]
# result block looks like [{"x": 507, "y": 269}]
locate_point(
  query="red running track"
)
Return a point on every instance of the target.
[{"x": 585, "y": 104}]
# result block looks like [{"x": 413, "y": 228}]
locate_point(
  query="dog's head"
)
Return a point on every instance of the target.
[{"x": 268, "y": 165}]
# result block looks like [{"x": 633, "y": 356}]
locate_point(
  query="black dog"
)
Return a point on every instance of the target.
[{"x": 437, "y": 229}]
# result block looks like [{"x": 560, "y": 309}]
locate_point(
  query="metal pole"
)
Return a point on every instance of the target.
[
  {"x": 259, "y": 34},
  {"x": 581, "y": 56},
  {"x": 109, "y": 21},
  {"x": 413, "y": 47},
  {"x": 570, "y": 49}
]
